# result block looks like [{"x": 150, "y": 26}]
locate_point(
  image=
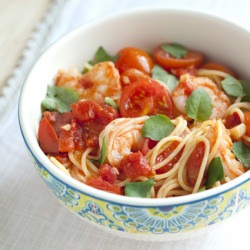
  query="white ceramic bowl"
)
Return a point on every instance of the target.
[{"x": 155, "y": 219}]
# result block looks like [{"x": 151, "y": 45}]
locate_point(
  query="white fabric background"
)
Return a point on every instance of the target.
[{"x": 30, "y": 217}]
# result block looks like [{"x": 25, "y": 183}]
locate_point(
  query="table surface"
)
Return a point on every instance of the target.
[{"x": 18, "y": 21}]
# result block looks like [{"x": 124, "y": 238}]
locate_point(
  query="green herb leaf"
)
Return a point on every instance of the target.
[
  {"x": 215, "y": 172},
  {"x": 102, "y": 55},
  {"x": 199, "y": 105},
  {"x": 103, "y": 152},
  {"x": 242, "y": 153},
  {"x": 86, "y": 69},
  {"x": 162, "y": 75},
  {"x": 157, "y": 127},
  {"x": 246, "y": 89},
  {"x": 59, "y": 99},
  {"x": 139, "y": 189},
  {"x": 232, "y": 86},
  {"x": 111, "y": 103},
  {"x": 175, "y": 50}
]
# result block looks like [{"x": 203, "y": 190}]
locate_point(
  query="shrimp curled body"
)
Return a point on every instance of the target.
[
  {"x": 188, "y": 83},
  {"x": 99, "y": 82},
  {"x": 123, "y": 136},
  {"x": 221, "y": 145}
]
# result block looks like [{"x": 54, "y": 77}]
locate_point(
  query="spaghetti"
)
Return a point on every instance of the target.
[{"x": 170, "y": 141}]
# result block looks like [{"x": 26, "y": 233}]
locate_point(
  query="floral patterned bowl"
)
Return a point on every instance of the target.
[{"x": 147, "y": 219}]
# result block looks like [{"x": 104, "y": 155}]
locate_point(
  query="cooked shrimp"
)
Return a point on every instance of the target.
[
  {"x": 123, "y": 135},
  {"x": 188, "y": 83},
  {"x": 103, "y": 80},
  {"x": 132, "y": 75},
  {"x": 221, "y": 145}
]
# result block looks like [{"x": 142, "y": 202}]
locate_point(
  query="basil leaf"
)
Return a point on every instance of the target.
[
  {"x": 139, "y": 189},
  {"x": 103, "y": 151},
  {"x": 175, "y": 50},
  {"x": 232, "y": 86},
  {"x": 86, "y": 69},
  {"x": 111, "y": 103},
  {"x": 215, "y": 172},
  {"x": 162, "y": 75},
  {"x": 246, "y": 88},
  {"x": 157, "y": 127},
  {"x": 102, "y": 55},
  {"x": 59, "y": 99},
  {"x": 199, "y": 105},
  {"x": 55, "y": 104},
  {"x": 242, "y": 153}
]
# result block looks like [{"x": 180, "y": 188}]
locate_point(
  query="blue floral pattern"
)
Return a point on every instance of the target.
[
  {"x": 166, "y": 219},
  {"x": 148, "y": 220}
]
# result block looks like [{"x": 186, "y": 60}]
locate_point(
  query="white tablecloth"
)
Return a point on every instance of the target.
[{"x": 30, "y": 217}]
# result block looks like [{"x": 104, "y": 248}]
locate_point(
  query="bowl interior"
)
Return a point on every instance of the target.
[{"x": 219, "y": 40}]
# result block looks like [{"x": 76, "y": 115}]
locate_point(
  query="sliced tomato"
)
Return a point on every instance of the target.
[
  {"x": 135, "y": 165},
  {"x": 164, "y": 155},
  {"x": 194, "y": 163},
  {"x": 167, "y": 61},
  {"x": 47, "y": 137},
  {"x": 218, "y": 66},
  {"x": 100, "y": 183},
  {"x": 233, "y": 120},
  {"x": 145, "y": 97},
  {"x": 134, "y": 58},
  {"x": 247, "y": 122}
]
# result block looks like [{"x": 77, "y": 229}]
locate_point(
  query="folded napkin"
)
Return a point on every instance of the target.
[{"x": 30, "y": 217}]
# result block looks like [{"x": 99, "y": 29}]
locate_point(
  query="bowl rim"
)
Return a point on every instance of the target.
[{"x": 103, "y": 195}]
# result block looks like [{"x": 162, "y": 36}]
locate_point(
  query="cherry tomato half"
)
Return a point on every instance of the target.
[
  {"x": 47, "y": 137},
  {"x": 145, "y": 97},
  {"x": 134, "y": 58},
  {"x": 167, "y": 61}
]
